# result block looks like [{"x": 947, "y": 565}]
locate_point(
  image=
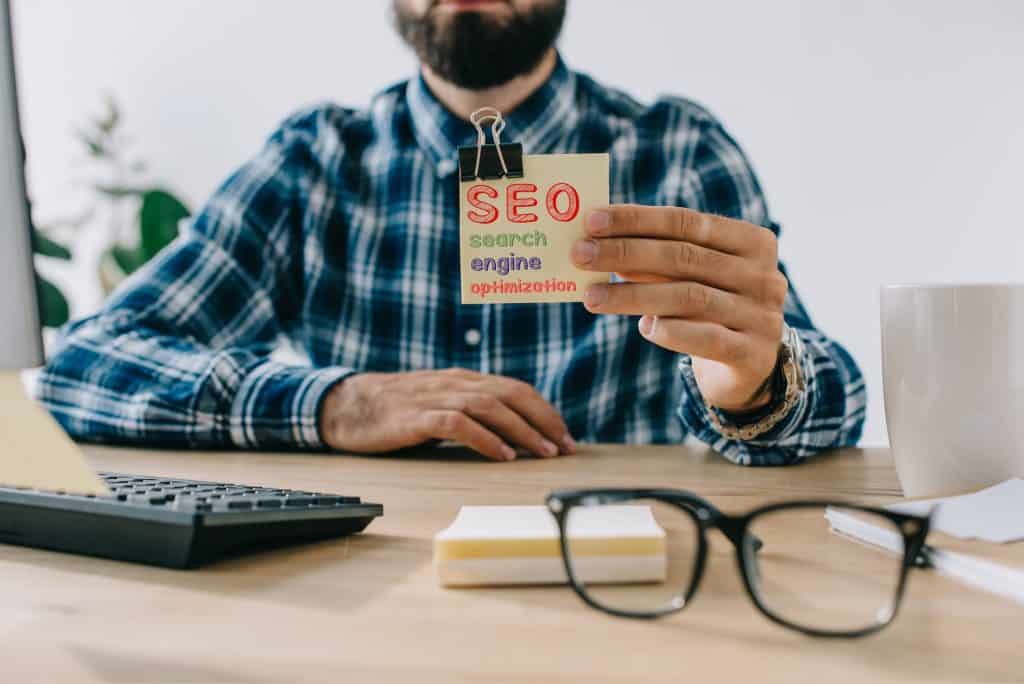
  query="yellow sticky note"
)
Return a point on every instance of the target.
[
  {"x": 496, "y": 545},
  {"x": 515, "y": 233}
]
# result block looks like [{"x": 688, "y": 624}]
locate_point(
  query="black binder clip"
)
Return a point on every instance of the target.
[{"x": 489, "y": 162}]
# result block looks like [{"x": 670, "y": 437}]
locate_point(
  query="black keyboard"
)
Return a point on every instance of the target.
[{"x": 176, "y": 523}]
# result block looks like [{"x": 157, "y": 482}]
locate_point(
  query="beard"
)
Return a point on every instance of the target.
[{"x": 476, "y": 51}]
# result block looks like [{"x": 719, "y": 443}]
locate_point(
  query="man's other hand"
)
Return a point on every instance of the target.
[
  {"x": 704, "y": 285},
  {"x": 373, "y": 412}
]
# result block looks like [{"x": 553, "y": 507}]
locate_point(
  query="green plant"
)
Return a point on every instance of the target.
[
  {"x": 140, "y": 218},
  {"x": 158, "y": 217},
  {"x": 53, "y": 306},
  {"x": 157, "y": 211}
]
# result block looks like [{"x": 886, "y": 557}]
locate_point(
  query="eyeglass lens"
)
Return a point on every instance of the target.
[
  {"x": 640, "y": 573},
  {"x": 810, "y": 576}
]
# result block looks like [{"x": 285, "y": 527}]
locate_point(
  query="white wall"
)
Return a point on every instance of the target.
[{"x": 889, "y": 135}]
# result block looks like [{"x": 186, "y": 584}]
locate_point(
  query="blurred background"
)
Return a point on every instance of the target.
[{"x": 889, "y": 136}]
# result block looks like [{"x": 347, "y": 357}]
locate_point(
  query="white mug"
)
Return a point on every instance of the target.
[{"x": 953, "y": 372}]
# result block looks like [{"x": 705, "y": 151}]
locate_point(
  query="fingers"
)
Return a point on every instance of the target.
[
  {"x": 522, "y": 398},
  {"x": 374, "y": 412},
  {"x": 697, "y": 338},
  {"x": 492, "y": 413},
  {"x": 458, "y": 427},
  {"x": 487, "y": 413},
  {"x": 706, "y": 285},
  {"x": 512, "y": 408},
  {"x": 686, "y": 300},
  {"x": 674, "y": 260},
  {"x": 686, "y": 225}
]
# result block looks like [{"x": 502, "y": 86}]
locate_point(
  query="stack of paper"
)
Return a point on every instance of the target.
[
  {"x": 495, "y": 545},
  {"x": 995, "y": 514}
]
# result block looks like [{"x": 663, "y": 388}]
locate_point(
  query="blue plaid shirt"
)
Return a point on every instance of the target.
[{"x": 341, "y": 237}]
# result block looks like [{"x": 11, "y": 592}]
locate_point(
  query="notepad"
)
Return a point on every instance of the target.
[{"x": 501, "y": 545}]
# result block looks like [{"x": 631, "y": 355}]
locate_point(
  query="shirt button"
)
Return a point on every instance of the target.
[
  {"x": 472, "y": 337},
  {"x": 446, "y": 166}
]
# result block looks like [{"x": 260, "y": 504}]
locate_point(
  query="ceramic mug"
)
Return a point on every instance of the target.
[{"x": 953, "y": 373}]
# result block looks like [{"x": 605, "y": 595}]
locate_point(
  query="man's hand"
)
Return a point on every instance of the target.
[
  {"x": 372, "y": 412},
  {"x": 704, "y": 285}
]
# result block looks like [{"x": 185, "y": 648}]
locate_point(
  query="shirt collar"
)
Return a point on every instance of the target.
[{"x": 540, "y": 122}]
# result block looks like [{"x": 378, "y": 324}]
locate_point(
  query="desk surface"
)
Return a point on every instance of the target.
[{"x": 368, "y": 607}]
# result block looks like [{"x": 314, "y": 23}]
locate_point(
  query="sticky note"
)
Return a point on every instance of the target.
[
  {"x": 515, "y": 233},
  {"x": 499, "y": 545}
]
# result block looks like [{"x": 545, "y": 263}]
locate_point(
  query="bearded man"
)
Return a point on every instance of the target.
[{"x": 341, "y": 237}]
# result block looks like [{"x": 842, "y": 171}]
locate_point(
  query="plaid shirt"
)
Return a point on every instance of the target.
[{"x": 341, "y": 237}]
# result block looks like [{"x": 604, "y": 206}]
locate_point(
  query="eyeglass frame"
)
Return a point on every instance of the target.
[{"x": 706, "y": 516}]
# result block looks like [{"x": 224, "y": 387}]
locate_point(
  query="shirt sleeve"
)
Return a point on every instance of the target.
[
  {"x": 831, "y": 411},
  {"x": 180, "y": 355}
]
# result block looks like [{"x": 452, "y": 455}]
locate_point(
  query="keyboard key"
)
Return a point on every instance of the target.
[{"x": 197, "y": 497}]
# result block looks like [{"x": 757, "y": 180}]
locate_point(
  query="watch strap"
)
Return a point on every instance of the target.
[{"x": 788, "y": 386}]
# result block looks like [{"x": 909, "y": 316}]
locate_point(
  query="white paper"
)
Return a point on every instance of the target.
[
  {"x": 981, "y": 574},
  {"x": 536, "y": 522},
  {"x": 995, "y": 514}
]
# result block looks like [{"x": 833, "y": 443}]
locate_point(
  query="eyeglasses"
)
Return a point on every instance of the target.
[{"x": 797, "y": 571}]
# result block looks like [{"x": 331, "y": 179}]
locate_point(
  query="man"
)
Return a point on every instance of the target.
[{"x": 341, "y": 237}]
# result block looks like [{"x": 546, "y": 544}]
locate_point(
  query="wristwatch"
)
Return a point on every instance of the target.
[{"x": 788, "y": 385}]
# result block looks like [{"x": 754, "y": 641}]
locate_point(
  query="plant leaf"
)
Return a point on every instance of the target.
[
  {"x": 112, "y": 117},
  {"x": 53, "y": 307},
  {"x": 158, "y": 220},
  {"x": 128, "y": 259},
  {"x": 44, "y": 246},
  {"x": 92, "y": 144},
  {"x": 120, "y": 190}
]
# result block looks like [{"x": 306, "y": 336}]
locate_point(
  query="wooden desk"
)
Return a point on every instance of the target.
[{"x": 368, "y": 608}]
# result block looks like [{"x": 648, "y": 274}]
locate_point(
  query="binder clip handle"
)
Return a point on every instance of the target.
[{"x": 487, "y": 162}]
